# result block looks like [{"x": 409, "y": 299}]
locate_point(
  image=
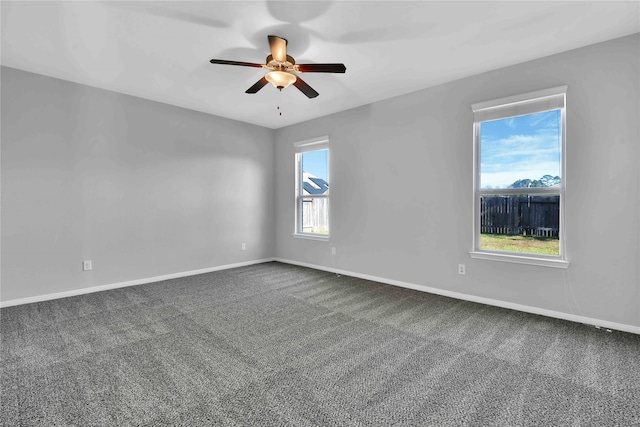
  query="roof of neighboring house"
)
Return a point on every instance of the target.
[{"x": 313, "y": 185}]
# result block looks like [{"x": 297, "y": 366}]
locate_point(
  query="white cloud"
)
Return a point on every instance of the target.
[
  {"x": 509, "y": 174},
  {"x": 524, "y": 147}
]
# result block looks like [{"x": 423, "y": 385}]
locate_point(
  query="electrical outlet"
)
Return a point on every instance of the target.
[
  {"x": 244, "y": 246},
  {"x": 86, "y": 265},
  {"x": 462, "y": 269},
  {"x": 333, "y": 250}
]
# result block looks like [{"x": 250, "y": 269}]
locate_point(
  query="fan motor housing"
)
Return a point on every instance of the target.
[{"x": 274, "y": 65}]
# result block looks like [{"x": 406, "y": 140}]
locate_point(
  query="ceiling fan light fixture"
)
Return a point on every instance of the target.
[
  {"x": 280, "y": 79},
  {"x": 283, "y": 69}
]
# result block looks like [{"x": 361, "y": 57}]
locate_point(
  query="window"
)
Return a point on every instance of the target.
[
  {"x": 519, "y": 178},
  {"x": 312, "y": 188}
]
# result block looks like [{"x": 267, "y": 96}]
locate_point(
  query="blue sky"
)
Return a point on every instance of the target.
[
  {"x": 316, "y": 163},
  {"x": 519, "y": 148}
]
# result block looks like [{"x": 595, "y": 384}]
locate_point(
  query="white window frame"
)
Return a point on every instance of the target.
[
  {"x": 518, "y": 105},
  {"x": 315, "y": 144}
]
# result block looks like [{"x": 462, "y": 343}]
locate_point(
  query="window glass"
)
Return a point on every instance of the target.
[
  {"x": 315, "y": 215},
  {"x": 312, "y": 199},
  {"x": 521, "y": 152},
  {"x": 315, "y": 164},
  {"x": 520, "y": 223}
]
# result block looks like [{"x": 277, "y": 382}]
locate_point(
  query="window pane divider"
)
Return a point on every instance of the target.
[{"x": 313, "y": 196}]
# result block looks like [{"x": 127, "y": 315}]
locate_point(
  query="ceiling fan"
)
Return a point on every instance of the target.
[{"x": 282, "y": 69}]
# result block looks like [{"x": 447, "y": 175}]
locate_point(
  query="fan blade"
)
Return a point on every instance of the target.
[
  {"x": 305, "y": 88},
  {"x": 278, "y": 47},
  {"x": 322, "y": 68},
  {"x": 243, "y": 64},
  {"x": 256, "y": 87}
]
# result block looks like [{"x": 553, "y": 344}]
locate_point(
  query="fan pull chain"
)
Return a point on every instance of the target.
[{"x": 278, "y": 107}]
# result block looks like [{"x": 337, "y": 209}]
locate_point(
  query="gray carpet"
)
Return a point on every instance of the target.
[{"x": 274, "y": 344}]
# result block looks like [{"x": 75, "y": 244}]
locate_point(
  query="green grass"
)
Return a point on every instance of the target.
[{"x": 523, "y": 244}]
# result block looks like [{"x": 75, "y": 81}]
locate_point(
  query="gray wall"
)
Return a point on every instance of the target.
[
  {"x": 401, "y": 176},
  {"x": 146, "y": 189},
  {"x": 141, "y": 188}
]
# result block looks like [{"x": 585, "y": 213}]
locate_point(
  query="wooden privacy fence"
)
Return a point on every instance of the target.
[
  {"x": 315, "y": 214},
  {"x": 523, "y": 215}
]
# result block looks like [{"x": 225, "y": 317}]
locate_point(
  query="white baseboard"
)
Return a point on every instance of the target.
[
  {"x": 100, "y": 288},
  {"x": 602, "y": 324}
]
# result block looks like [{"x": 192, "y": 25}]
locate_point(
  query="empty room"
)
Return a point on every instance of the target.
[{"x": 346, "y": 213}]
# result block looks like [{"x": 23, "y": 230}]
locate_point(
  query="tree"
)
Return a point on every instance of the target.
[
  {"x": 550, "y": 181},
  {"x": 545, "y": 181},
  {"x": 521, "y": 183}
]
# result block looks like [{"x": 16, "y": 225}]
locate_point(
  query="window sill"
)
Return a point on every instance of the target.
[
  {"x": 521, "y": 259},
  {"x": 320, "y": 237}
]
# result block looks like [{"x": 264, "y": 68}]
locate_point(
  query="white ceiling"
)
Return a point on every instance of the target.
[{"x": 160, "y": 50}]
